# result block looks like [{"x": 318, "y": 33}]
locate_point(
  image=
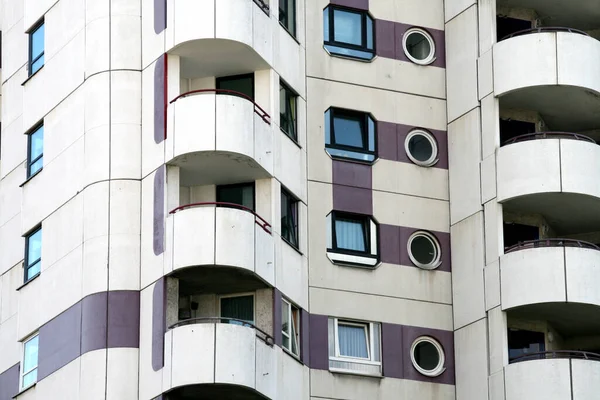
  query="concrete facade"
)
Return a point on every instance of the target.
[{"x": 298, "y": 199}]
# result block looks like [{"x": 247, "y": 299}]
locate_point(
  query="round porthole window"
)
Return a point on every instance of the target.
[
  {"x": 421, "y": 148},
  {"x": 424, "y": 250},
  {"x": 419, "y": 46},
  {"x": 427, "y": 356}
]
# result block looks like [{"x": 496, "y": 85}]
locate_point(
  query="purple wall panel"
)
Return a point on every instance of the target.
[
  {"x": 277, "y": 317},
  {"x": 352, "y": 174},
  {"x": 94, "y": 322},
  {"x": 385, "y": 39},
  {"x": 123, "y": 319},
  {"x": 60, "y": 341},
  {"x": 358, "y": 4},
  {"x": 392, "y": 350},
  {"x": 159, "y": 99},
  {"x": 445, "y": 338},
  {"x": 9, "y": 382},
  {"x": 160, "y": 16},
  {"x": 389, "y": 243},
  {"x": 442, "y": 237},
  {"x": 319, "y": 350},
  {"x": 304, "y": 337},
  {"x": 158, "y": 234},
  {"x": 352, "y": 199},
  {"x": 159, "y": 309},
  {"x": 387, "y": 141}
]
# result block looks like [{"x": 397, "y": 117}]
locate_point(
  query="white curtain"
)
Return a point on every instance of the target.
[
  {"x": 352, "y": 341},
  {"x": 349, "y": 235}
]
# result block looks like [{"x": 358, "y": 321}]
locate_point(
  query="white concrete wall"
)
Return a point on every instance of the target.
[{"x": 538, "y": 379}]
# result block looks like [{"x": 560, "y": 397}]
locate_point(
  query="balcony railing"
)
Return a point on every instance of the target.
[
  {"x": 544, "y": 29},
  {"x": 555, "y": 242},
  {"x": 557, "y": 354},
  {"x": 257, "y": 109},
  {"x": 260, "y": 221},
  {"x": 262, "y": 335},
  {"x": 548, "y": 135}
]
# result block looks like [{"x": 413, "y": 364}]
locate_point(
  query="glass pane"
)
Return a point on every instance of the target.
[
  {"x": 418, "y": 46},
  {"x": 241, "y": 308},
  {"x": 426, "y": 356},
  {"x": 521, "y": 342},
  {"x": 242, "y": 84},
  {"x": 420, "y": 147},
  {"x": 350, "y": 234},
  {"x": 30, "y": 355},
  {"x": 285, "y": 317},
  {"x": 36, "y": 166},
  {"x": 295, "y": 327},
  {"x": 30, "y": 378},
  {"x": 39, "y": 63},
  {"x": 34, "y": 250},
  {"x": 326, "y": 24},
  {"x": 371, "y": 133},
  {"x": 37, "y": 42},
  {"x": 348, "y": 27},
  {"x": 423, "y": 250},
  {"x": 238, "y": 194},
  {"x": 369, "y": 33},
  {"x": 348, "y": 131},
  {"x": 353, "y": 341},
  {"x": 37, "y": 143},
  {"x": 33, "y": 270},
  {"x": 327, "y": 127}
]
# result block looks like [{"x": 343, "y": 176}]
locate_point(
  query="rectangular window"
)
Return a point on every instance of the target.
[
  {"x": 290, "y": 327},
  {"x": 350, "y": 134},
  {"x": 33, "y": 254},
  {"x": 289, "y": 218},
  {"x": 29, "y": 363},
  {"x": 239, "y": 308},
  {"x": 36, "y": 48},
  {"x": 35, "y": 151},
  {"x": 243, "y": 84},
  {"x": 348, "y": 32},
  {"x": 242, "y": 194},
  {"x": 287, "y": 15},
  {"x": 354, "y": 346},
  {"x": 288, "y": 111}
]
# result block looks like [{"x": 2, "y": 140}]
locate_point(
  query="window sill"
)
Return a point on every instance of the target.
[
  {"x": 292, "y": 246},
  {"x": 32, "y": 75},
  {"x": 289, "y": 33},
  {"x": 346, "y": 57},
  {"x": 366, "y": 261},
  {"x": 31, "y": 177},
  {"x": 350, "y": 159},
  {"x": 357, "y": 373},
  {"x": 30, "y": 280},
  {"x": 290, "y": 138},
  {"x": 25, "y": 390}
]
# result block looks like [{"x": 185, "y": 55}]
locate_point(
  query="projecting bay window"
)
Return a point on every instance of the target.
[{"x": 352, "y": 239}]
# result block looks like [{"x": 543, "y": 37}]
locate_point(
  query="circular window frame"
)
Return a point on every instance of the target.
[
  {"x": 431, "y": 57},
  {"x": 431, "y": 161},
  {"x": 439, "y": 369},
  {"x": 438, "y": 257}
]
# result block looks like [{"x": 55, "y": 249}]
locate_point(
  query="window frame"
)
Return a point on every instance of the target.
[
  {"x": 234, "y": 185},
  {"x": 439, "y": 369},
  {"x": 232, "y": 295},
  {"x": 22, "y": 372},
  {"x": 293, "y": 122},
  {"x": 436, "y": 243},
  {"x": 26, "y": 262},
  {"x": 250, "y": 76},
  {"x": 369, "y": 336},
  {"x": 31, "y": 59},
  {"x": 364, "y": 119},
  {"x": 364, "y": 14},
  {"x": 290, "y": 306},
  {"x": 30, "y": 162},
  {"x": 366, "y": 233},
  {"x": 433, "y": 159},
  {"x": 286, "y": 13},
  {"x": 432, "y": 49},
  {"x": 292, "y": 201}
]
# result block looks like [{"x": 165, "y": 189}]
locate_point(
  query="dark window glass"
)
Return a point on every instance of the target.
[
  {"x": 350, "y": 134},
  {"x": 525, "y": 342},
  {"x": 351, "y": 232},
  {"x": 239, "y": 307},
  {"x": 289, "y": 218},
  {"x": 33, "y": 254},
  {"x": 348, "y": 32},
  {"x": 427, "y": 356},
  {"x": 36, "y": 49},
  {"x": 35, "y": 156},
  {"x": 240, "y": 83},
  {"x": 506, "y": 26},
  {"x": 515, "y": 233},
  {"x": 510, "y": 128},
  {"x": 242, "y": 194},
  {"x": 287, "y": 111},
  {"x": 287, "y": 15}
]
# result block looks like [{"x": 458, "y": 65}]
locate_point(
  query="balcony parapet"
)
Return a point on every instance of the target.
[
  {"x": 544, "y": 29},
  {"x": 548, "y": 135},
  {"x": 262, "y": 335},
  {"x": 557, "y": 354},
  {"x": 553, "y": 242}
]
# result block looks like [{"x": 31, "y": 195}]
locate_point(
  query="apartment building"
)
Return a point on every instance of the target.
[{"x": 299, "y": 199}]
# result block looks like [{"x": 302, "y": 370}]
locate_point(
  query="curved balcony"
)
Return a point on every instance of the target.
[
  {"x": 553, "y": 72},
  {"x": 208, "y": 359},
  {"x": 217, "y": 136},
  {"x": 219, "y": 38},
  {"x": 220, "y": 237},
  {"x": 557, "y": 375},
  {"x": 555, "y": 175}
]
